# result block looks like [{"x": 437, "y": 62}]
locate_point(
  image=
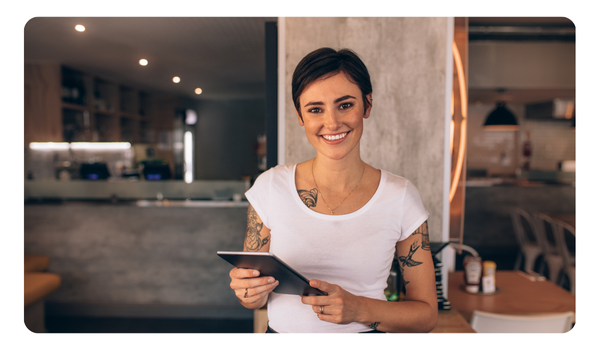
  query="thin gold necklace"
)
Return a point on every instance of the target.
[{"x": 324, "y": 201}]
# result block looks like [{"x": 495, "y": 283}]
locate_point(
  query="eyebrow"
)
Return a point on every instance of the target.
[{"x": 340, "y": 99}]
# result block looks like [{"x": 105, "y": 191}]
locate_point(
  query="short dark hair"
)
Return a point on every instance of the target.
[{"x": 327, "y": 61}]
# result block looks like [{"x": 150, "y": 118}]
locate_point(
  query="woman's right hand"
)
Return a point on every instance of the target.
[{"x": 249, "y": 288}]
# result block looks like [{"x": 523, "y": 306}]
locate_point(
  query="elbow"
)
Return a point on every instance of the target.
[{"x": 431, "y": 320}]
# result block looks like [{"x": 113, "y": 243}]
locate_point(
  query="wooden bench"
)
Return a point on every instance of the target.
[{"x": 37, "y": 285}]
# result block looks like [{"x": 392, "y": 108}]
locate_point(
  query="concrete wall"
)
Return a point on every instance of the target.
[{"x": 406, "y": 58}]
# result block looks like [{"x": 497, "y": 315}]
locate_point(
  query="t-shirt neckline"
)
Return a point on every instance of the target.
[{"x": 363, "y": 209}]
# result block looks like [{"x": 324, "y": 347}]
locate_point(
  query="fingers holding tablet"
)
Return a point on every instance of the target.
[{"x": 248, "y": 288}]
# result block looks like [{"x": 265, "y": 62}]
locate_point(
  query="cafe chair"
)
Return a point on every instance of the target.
[
  {"x": 552, "y": 260},
  {"x": 464, "y": 247},
  {"x": 545, "y": 235},
  {"x": 564, "y": 235},
  {"x": 528, "y": 246},
  {"x": 460, "y": 249},
  {"x": 487, "y": 322}
]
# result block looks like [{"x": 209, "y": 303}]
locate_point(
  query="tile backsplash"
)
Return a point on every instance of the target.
[{"x": 500, "y": 152}]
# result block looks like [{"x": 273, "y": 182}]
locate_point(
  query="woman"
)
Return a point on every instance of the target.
[{"x": 338, "y": 220}]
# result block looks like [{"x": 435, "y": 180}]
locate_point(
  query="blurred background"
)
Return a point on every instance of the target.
[{"x": 142, "y": 135}]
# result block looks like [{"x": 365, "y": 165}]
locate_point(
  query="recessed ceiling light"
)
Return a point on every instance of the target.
[
  {"x": 198, "y": 91},
  {"x": 176, "y": 80},
  {"x": 143, "y": 62},
  {"x": 79, "y": 28}
]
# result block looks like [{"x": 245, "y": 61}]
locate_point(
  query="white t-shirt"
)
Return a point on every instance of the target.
[{"x": 354, "y": 251}]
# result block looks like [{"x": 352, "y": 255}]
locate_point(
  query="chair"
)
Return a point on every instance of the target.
[
  {"x": 466, "y": 248},
  {"x": 529, "y": 248},
  {"x": 487, "y": 322},
  {"x": 545, "y": 235},
  {"x": 564, "y": 235},
  {"x": 457, "y": 247}
]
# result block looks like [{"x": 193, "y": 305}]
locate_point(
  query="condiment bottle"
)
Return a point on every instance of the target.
[
  {"x": 488, "y": 280},
  {"x": 473, "y": 271}
]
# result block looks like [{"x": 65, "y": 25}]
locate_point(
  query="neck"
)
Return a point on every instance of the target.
[{"x": 337, "y": 174}]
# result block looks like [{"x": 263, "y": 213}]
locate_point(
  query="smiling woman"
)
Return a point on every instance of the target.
[{"x": 338, "y": 220}]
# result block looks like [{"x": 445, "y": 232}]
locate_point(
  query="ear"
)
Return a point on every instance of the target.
[
  {"x": 300, "y": 121},
  {"x": 369, "y": 106}
]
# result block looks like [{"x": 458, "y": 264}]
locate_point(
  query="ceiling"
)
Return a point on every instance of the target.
[{"x": 223, "y": 56}]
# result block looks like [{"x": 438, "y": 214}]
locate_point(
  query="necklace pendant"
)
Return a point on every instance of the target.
[{"x": 332, "y": 212}]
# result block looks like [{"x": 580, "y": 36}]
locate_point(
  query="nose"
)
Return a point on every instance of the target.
[{"x": 332, "y": 121}]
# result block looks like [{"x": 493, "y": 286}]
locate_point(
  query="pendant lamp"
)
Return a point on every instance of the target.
[{"x": 501, "y": 119}]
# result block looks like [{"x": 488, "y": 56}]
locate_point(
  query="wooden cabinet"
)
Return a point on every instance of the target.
[{"x": 68, "y": 105}]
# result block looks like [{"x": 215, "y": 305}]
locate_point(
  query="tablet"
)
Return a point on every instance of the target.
[{"x": 290, "y": 281}]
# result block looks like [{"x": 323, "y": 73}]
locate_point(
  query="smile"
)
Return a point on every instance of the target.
[{"x": 335, "y": 137}]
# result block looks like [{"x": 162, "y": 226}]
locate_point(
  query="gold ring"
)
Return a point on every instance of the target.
[
  {"x": 246, "y": 294},
  {"x": 321, "y": 309}
]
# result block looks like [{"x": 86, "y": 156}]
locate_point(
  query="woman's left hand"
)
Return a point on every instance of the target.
[{"x": 338, "y": 306}]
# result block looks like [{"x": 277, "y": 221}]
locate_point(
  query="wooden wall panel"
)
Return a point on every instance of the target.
[{"x": 43, "y": 118}]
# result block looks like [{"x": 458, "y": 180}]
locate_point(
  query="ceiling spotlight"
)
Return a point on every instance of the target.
[
  {"x": 176, "y": 80},
  {"x": 79, "y": 28},
  {"x": 143, "y": 62},
  {"x": 198, "y": 91}
]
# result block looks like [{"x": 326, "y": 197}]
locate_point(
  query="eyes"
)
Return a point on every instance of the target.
[{"x": 342, "y": 106}]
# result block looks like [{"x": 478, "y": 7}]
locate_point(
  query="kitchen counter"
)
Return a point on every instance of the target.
[
  {"x": 192, "y": 204},
  {"x": 133, "y": 190}
]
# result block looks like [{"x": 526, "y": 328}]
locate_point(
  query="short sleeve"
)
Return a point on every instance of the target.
[
  {"x": 414, "y": 213},
  {"x": 258, "y": 195}
]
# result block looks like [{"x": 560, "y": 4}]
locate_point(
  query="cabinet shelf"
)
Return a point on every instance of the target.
[
  {"x": 101, "y": 110},
  {"x": 73, "y": 106},
  {"x": 130, "y": 116},
  {"x": 63, "y": 103}
]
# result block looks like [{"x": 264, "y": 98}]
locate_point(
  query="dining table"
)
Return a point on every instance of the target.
[{"x": 517, "y": 293}]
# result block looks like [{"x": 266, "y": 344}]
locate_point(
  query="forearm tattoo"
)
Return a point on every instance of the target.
[
  {"x": 423, "y": 230},
  {"x": 309, "y": 197},
  {"x": 253, "y": 240},
  {"x": 374, "y": 325}
]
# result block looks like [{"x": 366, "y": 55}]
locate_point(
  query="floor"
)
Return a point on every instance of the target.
[{"x": 146, "y": 325}]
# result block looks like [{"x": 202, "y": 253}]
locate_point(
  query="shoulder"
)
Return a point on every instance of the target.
[
  {"x": 396, "y": 181},
  {"x": 276, "y": 173},
  {"x": 400, "y": 188}
]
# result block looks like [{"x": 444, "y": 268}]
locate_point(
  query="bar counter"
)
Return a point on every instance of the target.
[{"x": 138, "y": 258}]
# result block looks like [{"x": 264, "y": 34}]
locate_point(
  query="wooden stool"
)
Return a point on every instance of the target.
[
  {"x": 38, "y": 285},
  {"x": 36, "y": 263}
]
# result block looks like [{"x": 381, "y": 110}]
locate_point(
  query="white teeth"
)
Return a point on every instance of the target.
[{"x": 335, "y": 137}]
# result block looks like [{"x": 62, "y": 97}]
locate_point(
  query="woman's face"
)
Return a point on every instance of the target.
[{"x": 332, "y": 115}]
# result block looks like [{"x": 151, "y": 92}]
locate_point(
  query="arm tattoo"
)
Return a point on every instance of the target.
[
  {"x": 253, "y": 240},
  {"x": 374, "y": 325},
  {"x": 408, "y": 261},
  {"x": 423, "y": 230},
  {"x": 309, "y": 197}
]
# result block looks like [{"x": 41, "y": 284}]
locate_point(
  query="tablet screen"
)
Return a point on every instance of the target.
[{"x": 290, "y": 281}]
